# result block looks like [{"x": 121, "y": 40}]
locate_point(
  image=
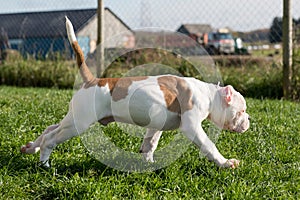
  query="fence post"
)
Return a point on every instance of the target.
[
  {"x": 287, "y": 34},
  {"x": 100, "y": 39}
]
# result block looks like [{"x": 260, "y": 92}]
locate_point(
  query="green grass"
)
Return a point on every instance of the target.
[{"x": 269, "y": 152}]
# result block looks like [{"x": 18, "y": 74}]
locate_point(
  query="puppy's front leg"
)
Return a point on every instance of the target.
[
  {"x": 150, "y": 143},
  {"x": 34, "y": 147},
  {"x": 63, "y": 132},
  {"x": 197, "y": 135}
]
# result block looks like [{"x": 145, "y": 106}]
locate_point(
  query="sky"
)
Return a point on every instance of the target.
[{"x": 239, "y": 15}]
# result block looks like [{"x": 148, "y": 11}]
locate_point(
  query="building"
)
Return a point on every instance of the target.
[{"x": 43, "y": 33}]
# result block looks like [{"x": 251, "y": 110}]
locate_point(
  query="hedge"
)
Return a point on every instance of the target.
[
  {"x": 32, "y": 73},
  {"x": 259, "y": 79}
]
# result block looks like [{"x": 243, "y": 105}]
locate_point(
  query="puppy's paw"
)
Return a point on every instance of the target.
[
  {"x": 44, "y": 164},
  {"x": 24, "y": 148},
  {"x": 29, "y": 149},
  {"x": 148, "y": 157},
  {"x": 231, "y": 163}
]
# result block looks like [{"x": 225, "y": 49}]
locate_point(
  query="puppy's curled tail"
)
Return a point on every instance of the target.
[{"x": 86, "y": 74}]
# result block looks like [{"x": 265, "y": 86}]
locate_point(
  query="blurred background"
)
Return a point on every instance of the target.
[{"x": 240, "y": 34}]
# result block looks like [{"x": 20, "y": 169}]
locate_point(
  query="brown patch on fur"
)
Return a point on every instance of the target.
[
  {"x": 110, "y": 81},
  {"x": 85, "y": 73},
  {"x": 106, "y": 120},
  {"x": 178, "y": 95},
  {"x": 79, "y": 53},
  {"x": 119, "y": 86}
]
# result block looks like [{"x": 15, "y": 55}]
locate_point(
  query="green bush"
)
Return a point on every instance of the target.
[
  {"x": 149, "y": 57},
  {"x": 32, "y": 73},
  {"x": 256, "y": 77},
  {"x": 296, "y": 74},
  {"x": 255, "y": 81}
]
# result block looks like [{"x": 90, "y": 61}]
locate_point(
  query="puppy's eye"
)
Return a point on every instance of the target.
[{"x": 241, "y": 112}]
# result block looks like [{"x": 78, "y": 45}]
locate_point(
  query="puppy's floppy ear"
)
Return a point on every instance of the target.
[{"x": 227, "y": 94}]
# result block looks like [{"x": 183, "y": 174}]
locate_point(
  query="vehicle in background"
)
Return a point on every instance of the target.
[{"x": 219, "y": 42}]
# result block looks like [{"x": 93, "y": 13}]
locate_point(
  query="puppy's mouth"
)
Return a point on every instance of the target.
[
  {"x": 241, "y": 125},
  {"x": 241, "y": 128}
]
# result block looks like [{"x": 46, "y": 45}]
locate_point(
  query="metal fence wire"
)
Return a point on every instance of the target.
[{"x": 36, "y": 28}]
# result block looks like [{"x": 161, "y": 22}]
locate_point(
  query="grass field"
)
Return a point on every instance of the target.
[{"x": 269, "y": 152}]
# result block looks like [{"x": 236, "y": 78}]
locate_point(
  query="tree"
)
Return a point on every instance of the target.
[{"x": 275, "y": 35}]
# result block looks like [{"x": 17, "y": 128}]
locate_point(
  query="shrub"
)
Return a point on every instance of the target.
[
  {"x": 255, "y": 81},
  {"x": 296, "y": 74},
  {"x": 253, "y": 77},
  {"x": 32, "y": 73}
]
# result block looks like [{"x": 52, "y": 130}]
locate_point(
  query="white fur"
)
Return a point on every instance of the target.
[
  {"x": 144, "y": 97},
  {"x": 70, "y": 31},
  {"x": 145, "y": 102}
]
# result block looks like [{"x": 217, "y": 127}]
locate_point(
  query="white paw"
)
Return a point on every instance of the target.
[
  {"x": 44, "y": 164},
  {"x": 231, "y": 163},
  {"x": 148, "y": 157},
  {"x": 29, "y": 149}
]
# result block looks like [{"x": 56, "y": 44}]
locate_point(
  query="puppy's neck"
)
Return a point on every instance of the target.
[{"x": 217, "y": 109}]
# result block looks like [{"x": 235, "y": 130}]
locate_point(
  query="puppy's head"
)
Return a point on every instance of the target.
[{"x": 236, "y": 119}]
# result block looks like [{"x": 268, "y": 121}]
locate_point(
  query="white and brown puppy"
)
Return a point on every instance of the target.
[{"x": 158, "y": 103}]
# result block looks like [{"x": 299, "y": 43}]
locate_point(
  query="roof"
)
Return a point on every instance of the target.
[
  {"x": 46, "y": 24},
  {"x": 195, "y": 28}
]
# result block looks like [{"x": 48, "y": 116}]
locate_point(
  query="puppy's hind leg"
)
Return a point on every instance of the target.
[
  {"x": 34, "y": 147},
  {"x": 150, "y": 144},
  {"x": 66, "y": 130}
]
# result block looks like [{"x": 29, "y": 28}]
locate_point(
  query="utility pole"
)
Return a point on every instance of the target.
[
  {"x": 287, "y": 38},
  {"x": 100, "y": 39}
]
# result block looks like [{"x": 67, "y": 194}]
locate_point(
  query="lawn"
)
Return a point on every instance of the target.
[{"x": 269, "y": 152}]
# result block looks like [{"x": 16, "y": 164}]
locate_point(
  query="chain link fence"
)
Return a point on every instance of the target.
[
  {"x": 143, "y": 37},
  {"x": 236, "y": 32},
  {"x": 36, "y": 27}
]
